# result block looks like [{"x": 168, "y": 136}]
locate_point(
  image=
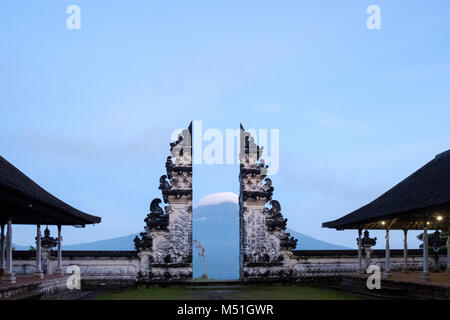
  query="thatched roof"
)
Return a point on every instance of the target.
[
  {"x": 424, "y": 195},
  {"x": 27, "y": 203}
]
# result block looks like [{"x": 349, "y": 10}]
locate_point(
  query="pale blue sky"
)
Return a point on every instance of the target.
[{"x": 88, "y": 113}]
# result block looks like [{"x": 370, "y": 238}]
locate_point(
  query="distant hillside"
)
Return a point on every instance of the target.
[
  {"x": 216, "y": 227},
  {"x": 118, "y": 244},
  {"x": 306, "y": 242}
]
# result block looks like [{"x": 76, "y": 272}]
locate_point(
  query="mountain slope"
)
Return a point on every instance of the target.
[
  {"x": 115, "y": 244},
  {"x": 306, "y": 242},
  {"x": 217, "y": 229}
]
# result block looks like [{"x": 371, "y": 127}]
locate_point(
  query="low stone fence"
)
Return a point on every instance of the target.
[
  {"x": 121, "y": 268},
  {"x": 319, "y": 263},
  {"x": 102, "y": 268}
]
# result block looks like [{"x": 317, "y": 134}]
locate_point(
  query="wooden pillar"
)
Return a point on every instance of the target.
[
  {"x": 425, "y": 276},
  {"x": 405, "y": 251},
  {"x": 9, "y": 275},
  {"x": 38, "y": 272},
  {"x": 59, "y": 265},
  {"x": 387, "y": 271},
  {"x": 2, "y": 248},
  {"x": 359, "y": 251}
]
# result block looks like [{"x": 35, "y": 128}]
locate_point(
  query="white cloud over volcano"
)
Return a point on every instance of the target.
[{"x": 216, "y": 198}]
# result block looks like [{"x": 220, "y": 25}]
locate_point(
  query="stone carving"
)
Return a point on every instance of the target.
[
  {"x": 267, "y": 187},
  {"x": 250, "y": 147},
  {"x": 164, "y": 184},
  {"x": 157, "y": 218},
  {"x": 142, "y": 242},
  {"x": 173, "y": 146},
  {"x": 255, "y": 190},
  {"x": 47, "y": 241},
  {"x": 165, "y": 249},
  {"x": 169, "y": 166},
  {"x": 287, "y": 242},
  {"x": 275, "y": 220},
  {"x": 367, "y": 243},
  {"x": 263, "y": 242},
  {"x": 181, "y": 149}
]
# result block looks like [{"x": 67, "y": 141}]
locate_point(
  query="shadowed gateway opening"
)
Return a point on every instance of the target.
[{"x": 216, "y": 222}]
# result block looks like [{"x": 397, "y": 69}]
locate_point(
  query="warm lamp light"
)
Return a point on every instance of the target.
[
  {"x": 383, "y": 223},
  {"x": 439, "y": 218}
]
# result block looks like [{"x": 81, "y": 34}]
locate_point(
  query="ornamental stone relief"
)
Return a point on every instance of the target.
[
  {"x": 165, "y": 248},
  {"x": 264, "y": 244}
]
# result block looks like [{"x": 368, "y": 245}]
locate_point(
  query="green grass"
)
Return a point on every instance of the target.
[
  {"x": 152, "y": 293},
  {"x": 247, "y": 292}
]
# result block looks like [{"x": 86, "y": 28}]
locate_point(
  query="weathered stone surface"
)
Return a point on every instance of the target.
[
  {"x": 103, "y": 269},
  {"x": 264, "y": 245},
  {"x": 169, "y": 257}
]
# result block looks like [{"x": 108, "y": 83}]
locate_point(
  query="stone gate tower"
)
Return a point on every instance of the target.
[
  {"x": 165, "y": 248},
  {"x": 265, "y": 247}
]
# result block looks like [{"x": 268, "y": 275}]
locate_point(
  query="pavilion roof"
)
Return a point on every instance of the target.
[
  {"x": 424, "y": 195},
  {"x": 25, "y": 202}
]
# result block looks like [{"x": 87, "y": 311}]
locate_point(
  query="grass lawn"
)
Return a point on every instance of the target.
[{"x": 245, "y": 292}]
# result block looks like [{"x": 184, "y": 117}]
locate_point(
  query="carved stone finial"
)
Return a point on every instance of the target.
[
  {"x": 157, "y": 219},
  {"x": 47, "y": 241},
  {"x": 275, "y": 220},
  {"x": 287, "y": 242},
  {"x": 164, "y": 184},
  {"x": 267, "y": 187},
  {"x": 183, "y": 144},
  {"x": 276, "y": 207},
  {"x": 261, "y": 163},
  {"x": 169, "y": 166},
  {"x": 366, "y": 241},
  {"x": 155, "y": 208},
  {"x": 143, "y": 242}
]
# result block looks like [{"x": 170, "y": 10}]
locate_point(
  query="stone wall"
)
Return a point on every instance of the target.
[
  {"x": 102, "y": 267},
  {"x": 322, "y": 263},
  {"x": 121, "y": 268}
]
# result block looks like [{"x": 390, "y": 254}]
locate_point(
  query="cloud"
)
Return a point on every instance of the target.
[{"x": 216, "y": 198}]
